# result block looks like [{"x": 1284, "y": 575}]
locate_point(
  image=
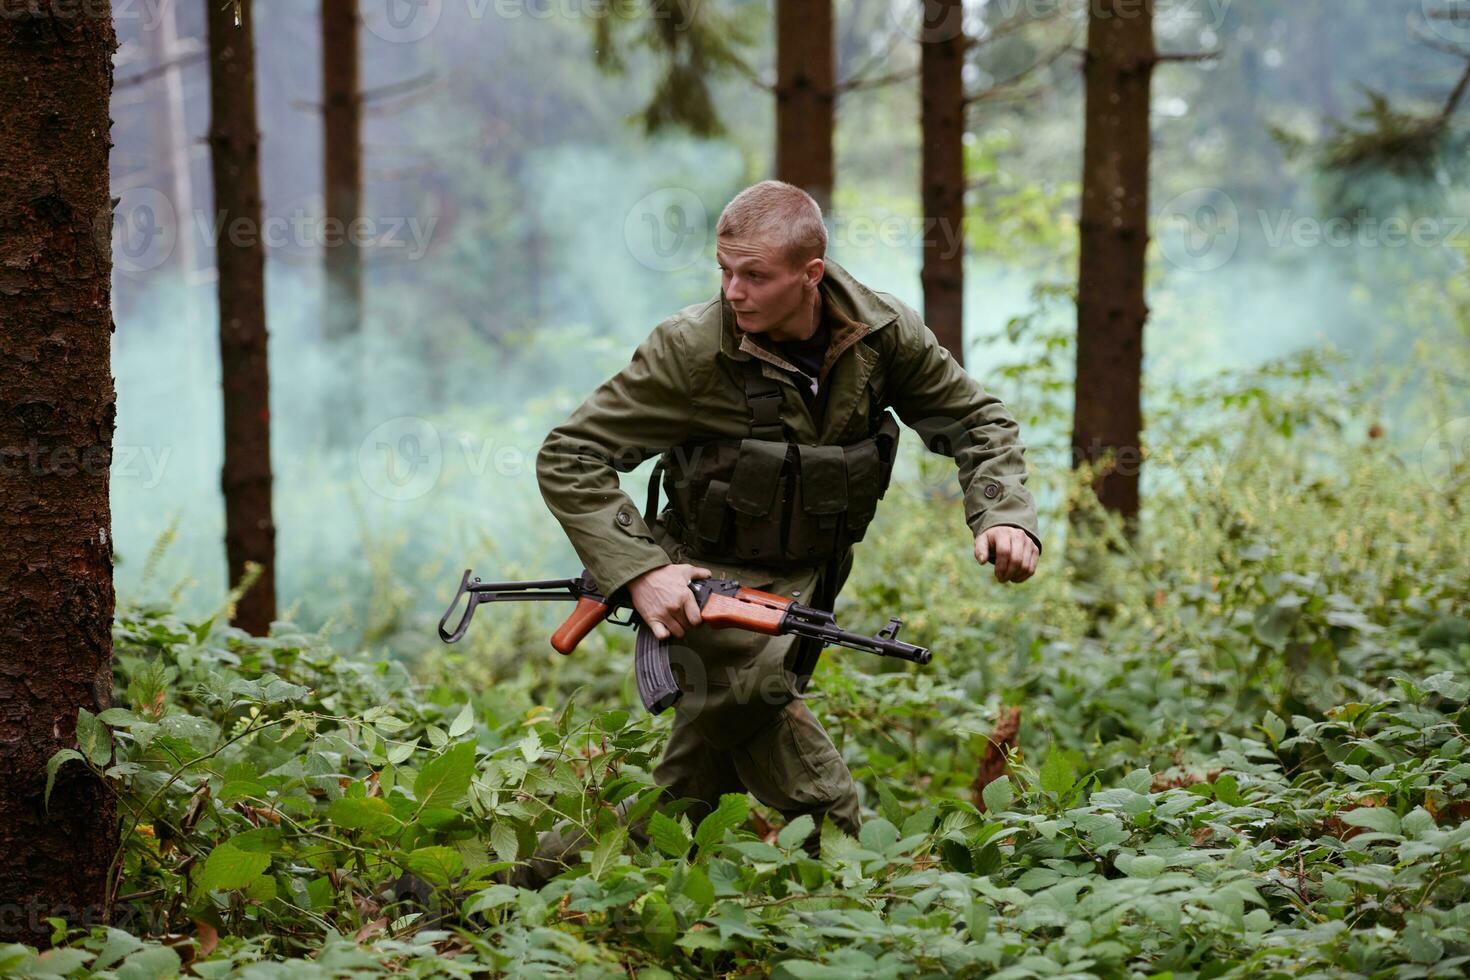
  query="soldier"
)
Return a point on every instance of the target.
[{"x": 768, "y": 405}]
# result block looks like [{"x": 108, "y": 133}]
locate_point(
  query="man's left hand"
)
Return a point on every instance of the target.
[{"x": 1014, "y": 552}]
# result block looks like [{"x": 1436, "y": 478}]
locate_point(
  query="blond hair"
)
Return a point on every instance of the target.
[{"x": 778, "y": 214}]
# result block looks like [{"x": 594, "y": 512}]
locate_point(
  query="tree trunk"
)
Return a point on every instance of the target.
[
  {"x": 234, "y": 143},
  {"x": 342, "y": 183},
  {"x": 1111, "y": 307},
  {"x": 170, "y": 131},
  {"x": 806, "y": 97},
  {"x": 57, "y": 411},
  {"x": 942, "y": 122}
]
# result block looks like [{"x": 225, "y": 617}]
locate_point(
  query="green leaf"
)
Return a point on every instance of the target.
[
  {"x": 607, "y": 851},
  {"x": 504, "y": 840},
  {"x": 93, "y": 738},
  {"x": 1057, "y": 774},
  {"x": 699, "y": 890},
  {"x": 733, "y": 810},
  {"x": 998, "y": 795},
  {"x": 53, "y": 764},
  {"x": 437, "y": 865},
  {"x": 463, "y": 721},
  {"x": 878, "y": 835},
  {"x": 659, "y": 925},
  {"x": 369, "y": 814},
  {"x": 1379, "y": 818},
  {"x": 239, "y": 789},
  {"x": 1142, "y": 866},
  {"x": 153, "y": 963},
  {"x": 667, "y": 835},
  {"x": 796, "y": 831},
  {"x": 491, "y": 898},
  {"x": 230, "y": 867},
  {"x": 1227, "y": 791},
  {"x": 443, "y": 781}
]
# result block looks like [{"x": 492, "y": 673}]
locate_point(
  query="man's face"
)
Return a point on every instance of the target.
[{"x": 767, "y": 295}]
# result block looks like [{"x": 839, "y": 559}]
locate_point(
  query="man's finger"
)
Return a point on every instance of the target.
[
  {"x": 1002, "y": 560},
  {"x": 697, "y": 572},
  {"x": 659, "y": 630},
  {"x": 691, "y": 610},
  {"x": 982, "y": 548}
]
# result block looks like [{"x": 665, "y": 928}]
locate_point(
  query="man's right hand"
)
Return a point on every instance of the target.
[{"x": 664, "y": 600}]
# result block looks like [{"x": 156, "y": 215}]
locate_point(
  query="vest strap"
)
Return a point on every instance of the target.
[{"x": 763, "y": 398}]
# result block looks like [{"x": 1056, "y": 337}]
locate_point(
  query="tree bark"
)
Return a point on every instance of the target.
[
  {"x": 805, "y": 97},
  {"x": 1111, "y": 305},
  {"x": 342, "y": 183},
  {"x": 234, "y": 143},
  {"x": 942, "y": 122},
  {"x": 57, "y": 411}
]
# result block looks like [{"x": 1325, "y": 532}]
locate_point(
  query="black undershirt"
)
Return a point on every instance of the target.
[{"x": 808, "y": 356}]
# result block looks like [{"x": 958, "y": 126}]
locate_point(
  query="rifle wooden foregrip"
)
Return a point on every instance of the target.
[
  {"x": 751, "y": 609},
  {"x": 583, "y": 620}
]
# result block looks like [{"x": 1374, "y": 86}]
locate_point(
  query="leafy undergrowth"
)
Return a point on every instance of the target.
[{"x": 274, "y": 793}]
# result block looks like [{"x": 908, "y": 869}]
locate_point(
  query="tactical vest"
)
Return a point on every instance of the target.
[{"x": 763, "y": 500}]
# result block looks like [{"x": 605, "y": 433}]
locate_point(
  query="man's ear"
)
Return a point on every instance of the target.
[{"x": 815, "y": 269}]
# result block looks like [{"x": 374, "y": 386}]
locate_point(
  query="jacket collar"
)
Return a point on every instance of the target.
[{"x": 856, "y": 311}]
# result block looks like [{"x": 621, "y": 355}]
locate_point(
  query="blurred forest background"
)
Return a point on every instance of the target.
[{"x": 528, "y": 233}]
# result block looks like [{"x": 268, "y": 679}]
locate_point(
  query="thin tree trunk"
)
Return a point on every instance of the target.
[
  {"x": 57, "y": 411},
  {"x": 942, "y": 122},
  {"x": 234, "y": 142},
  {"x": 1111, "y": 306},
  {"x": 170, "y": 128},
  {"x": 342, "y": 183},
  {"x": 171, "y": 135},
  {"x": 805, "y": 97}
]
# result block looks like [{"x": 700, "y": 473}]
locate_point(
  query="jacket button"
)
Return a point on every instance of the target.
[
  {"x": 624, "y": 518},
  {"x": 991, "y": 490}
]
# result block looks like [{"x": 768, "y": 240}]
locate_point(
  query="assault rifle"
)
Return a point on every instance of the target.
[{"x": 723, "y": 604}]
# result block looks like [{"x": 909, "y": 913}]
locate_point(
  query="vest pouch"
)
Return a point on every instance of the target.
[
  {"x": 757, "y": 497},
  {"x": 821, "y": 501},
  {"x": 869, "y": 469},
  {"x": 713, "y": 523}
]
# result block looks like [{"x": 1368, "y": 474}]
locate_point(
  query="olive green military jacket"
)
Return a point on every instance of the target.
[{"x": 684, "y": 386}]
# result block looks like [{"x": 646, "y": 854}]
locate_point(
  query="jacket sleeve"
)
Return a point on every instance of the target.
[
  {"x": 956, "y": 417},
  {"x": 642, "y": 410}
]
